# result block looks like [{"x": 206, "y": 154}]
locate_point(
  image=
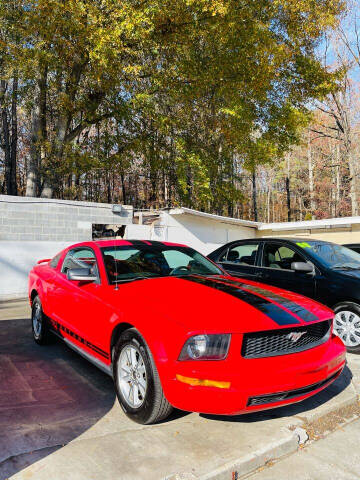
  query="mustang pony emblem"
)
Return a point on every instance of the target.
[{"x": 295, "y": 336}]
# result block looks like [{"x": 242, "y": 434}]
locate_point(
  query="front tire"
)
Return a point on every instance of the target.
[
  {"x": 137, "y": 381},
  {"x": 347, "y": 325},
  {"x": 39, "y": 326}
]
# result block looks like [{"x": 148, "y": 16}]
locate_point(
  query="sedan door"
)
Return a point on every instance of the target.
[
  {"x": 276, "y": 260},
  {"x": 240, "y": 258}
]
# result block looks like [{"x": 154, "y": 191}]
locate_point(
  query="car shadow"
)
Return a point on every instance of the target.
[
  {"x": 296, "y": 409},
  {"x": 49, "y": 396}
]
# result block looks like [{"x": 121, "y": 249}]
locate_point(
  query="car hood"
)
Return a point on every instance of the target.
[
  {"x": 354, "y": 274},
  {"x": 218, "y": 304}
]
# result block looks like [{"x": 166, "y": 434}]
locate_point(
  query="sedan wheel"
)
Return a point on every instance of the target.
[{"x": 347, "y": 327}]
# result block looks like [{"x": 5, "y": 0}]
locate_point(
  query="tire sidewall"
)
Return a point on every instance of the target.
[
  {"x": 351, "y": 307},
  {"x": 143, "y": 413},
  {"x": 40, "y": 339}
]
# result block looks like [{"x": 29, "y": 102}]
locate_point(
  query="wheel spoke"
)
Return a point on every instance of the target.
[
  {"x": 137, "y": 401},
  {"x": 141, "y": 369},
  {"x": 127, "y": 351},
  {"x": 125, "y": 368},
  {"x": 133, "y": 357}
]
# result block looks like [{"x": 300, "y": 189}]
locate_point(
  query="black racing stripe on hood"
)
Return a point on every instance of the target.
[
  {"x": 284, "y": 302},
  {"x": 136, "y": 243},
  {"x": 276, "y": 313},
  {"x": 141, "y": 243}
]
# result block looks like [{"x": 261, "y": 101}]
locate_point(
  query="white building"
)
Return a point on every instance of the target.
[
  {"x": 35, "y": 228},
  {"x": 205, "y": 232}
]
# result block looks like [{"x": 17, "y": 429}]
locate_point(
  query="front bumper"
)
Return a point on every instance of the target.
[{"x": 298, "y": 375}]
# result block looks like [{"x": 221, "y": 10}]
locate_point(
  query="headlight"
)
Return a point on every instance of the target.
[{"x": 206, "y": 347}]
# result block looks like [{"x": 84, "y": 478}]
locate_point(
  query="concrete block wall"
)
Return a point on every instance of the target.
[
  {"x": 36, "y": 228},
  {"x": 30, "y": 219}
]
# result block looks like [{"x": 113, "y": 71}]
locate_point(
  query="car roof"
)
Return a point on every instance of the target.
[
  {"x": 115, "y": 242},
  {"x": 282, "y": 239},
  {"x": 296, "y": 239}
]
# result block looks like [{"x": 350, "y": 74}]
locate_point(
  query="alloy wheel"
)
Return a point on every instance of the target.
[
  {"x": 132, "y": 376},
  {"x": 36, "y": 320}
]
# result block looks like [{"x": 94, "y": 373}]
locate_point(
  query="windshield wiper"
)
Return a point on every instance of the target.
[{"x": 132, "y": 279}]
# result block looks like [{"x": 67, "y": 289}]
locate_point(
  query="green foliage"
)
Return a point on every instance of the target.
[{"x": 197, "y": 90}]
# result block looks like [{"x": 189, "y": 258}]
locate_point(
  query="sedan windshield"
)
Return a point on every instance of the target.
[
  {"x": 332, "y": 256},
  {"x": 127, "y": 263}
]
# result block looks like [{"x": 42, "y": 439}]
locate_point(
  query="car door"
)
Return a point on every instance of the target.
[
  {"x": 240, "y": 259},
  {"x": 81, "y": 309},
  {"x": 275, "y": 262}
]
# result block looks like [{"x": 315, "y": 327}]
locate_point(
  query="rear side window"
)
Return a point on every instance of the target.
[
  {"x": 244, "y": 254},
  {"x": 54, "y": 262}
]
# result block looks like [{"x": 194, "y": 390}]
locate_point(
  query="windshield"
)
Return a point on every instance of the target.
[
  {"x": 332, "y": 256},
  {"x": 126, "y": 263}
]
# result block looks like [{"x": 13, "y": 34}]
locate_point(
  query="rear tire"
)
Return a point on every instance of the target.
[
  {"x": 39, "y": 325},
  {"x": 137, "y": 381},
  {"x": 347, "y": 325}
]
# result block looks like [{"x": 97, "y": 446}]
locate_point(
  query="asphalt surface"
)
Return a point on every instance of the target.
[{"x": 60, "y": 420}]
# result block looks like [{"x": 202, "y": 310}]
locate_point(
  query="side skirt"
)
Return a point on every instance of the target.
[{"x": 105, "y": 368}]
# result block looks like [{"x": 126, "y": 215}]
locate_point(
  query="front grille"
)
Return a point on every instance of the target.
[
  {"x": 278, "y": 342},
  {"x": 279, "y": 397}
]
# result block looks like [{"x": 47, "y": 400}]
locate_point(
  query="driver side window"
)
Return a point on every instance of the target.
[
  {"x": 80, "y": 258},
  {"x": 280, "y": 256}
]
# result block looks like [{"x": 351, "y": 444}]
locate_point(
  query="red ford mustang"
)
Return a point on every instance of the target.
[{"x": 174, "y": 330}]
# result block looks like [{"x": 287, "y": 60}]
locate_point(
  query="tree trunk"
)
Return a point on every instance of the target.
[
  {"x": 337, "y": 194},
  {"x": 5, "y": 135},
  {"x": 311, "y": 178},
  {"x": 268, "y": 198},
  {"x": 353, "y": 184},
  {"x": 287, "y": 182},
  {"x": 12, "y": 189},
  {"x": 37, "y": 137},
  {"x": 254, "y": 195}
]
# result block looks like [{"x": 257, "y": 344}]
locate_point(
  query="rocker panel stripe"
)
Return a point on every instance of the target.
[{"x": 59, "y": 328}]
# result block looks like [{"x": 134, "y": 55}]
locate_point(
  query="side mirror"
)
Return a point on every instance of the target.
[
  {"x": 81, "y": 275},
  {"x": 303, "y": 267}
]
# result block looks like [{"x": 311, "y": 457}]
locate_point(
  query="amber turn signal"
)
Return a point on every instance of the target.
[{"x": 202, "y": 382}]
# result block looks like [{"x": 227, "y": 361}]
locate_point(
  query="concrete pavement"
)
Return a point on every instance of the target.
[
  {"x": 335, "y": 457},
  {"x": 59, "y": 419}
]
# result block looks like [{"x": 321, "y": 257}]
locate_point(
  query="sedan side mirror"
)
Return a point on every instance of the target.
[
  {"x": 303, "y": 267},
  {"x": 81, "y": 275}
]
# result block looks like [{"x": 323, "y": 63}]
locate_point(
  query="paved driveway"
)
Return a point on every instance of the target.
[{"x": 59, "y": 419}]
